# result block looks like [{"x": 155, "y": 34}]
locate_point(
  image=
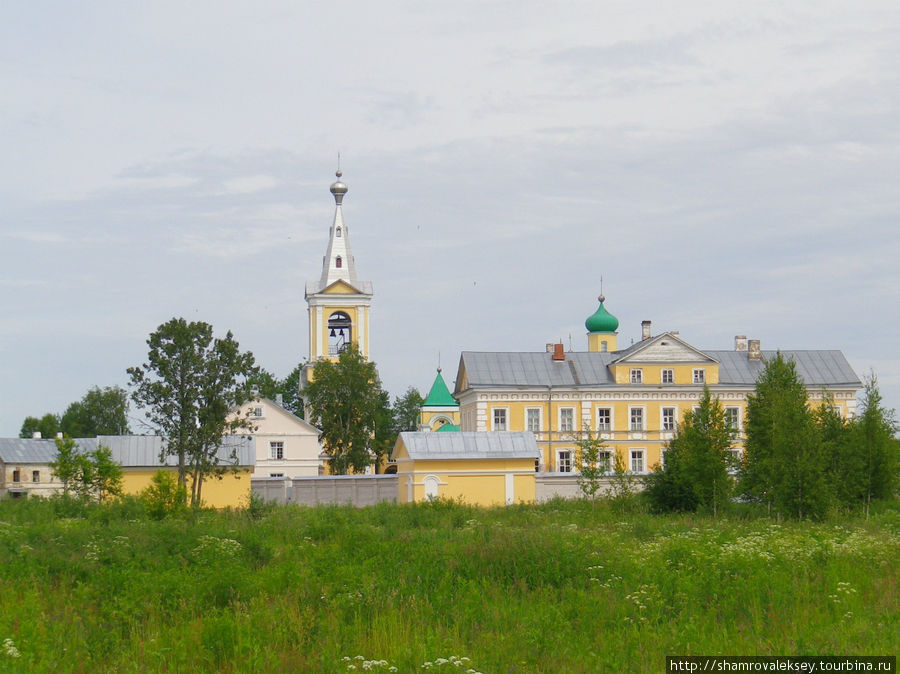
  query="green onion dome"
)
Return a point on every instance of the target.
[{"x": 601, "y": 320}]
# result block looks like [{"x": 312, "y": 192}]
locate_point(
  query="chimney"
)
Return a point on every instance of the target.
[
  {"x": 645, "y": 329},
  {"x": 36, "y": 435},
  {"x": 549, "y": 347},
  {"x": 279, "y": 399},
  {"x": 754, "y": 352},
  {"x": 740, "y": 342},
  {"x": 559, "y": 352}
]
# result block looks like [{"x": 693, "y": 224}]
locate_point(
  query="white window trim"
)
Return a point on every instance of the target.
[
  {"x": 740, "y": 417},
  {"x": 638, "y": 373},
  {"x": 571, "y": 453},
  {"x": 559, "y": 425},
  {"x": 702, "y": 375},
  {"x": 505, "y": 418},
  {"x": 643, "y": 409},
  {"x": 662, "y": 378},
  {"x": 643, "y": 452},
  {"x": 612, "y": 418},
  {"x": 272, "y": 456},
  {"x": 662, "y": 418},
  {"x": 540, "y": 419}
]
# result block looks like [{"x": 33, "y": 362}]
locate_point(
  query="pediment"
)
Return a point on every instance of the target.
[
  {"x": 666, "y": 348},
  {"x": 341, "y": 287}
]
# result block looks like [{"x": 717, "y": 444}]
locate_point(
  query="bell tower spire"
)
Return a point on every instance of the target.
[{"x": 338, "y": 302}]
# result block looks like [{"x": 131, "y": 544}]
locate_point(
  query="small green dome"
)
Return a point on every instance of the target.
[{"x": 601, "y": 320}]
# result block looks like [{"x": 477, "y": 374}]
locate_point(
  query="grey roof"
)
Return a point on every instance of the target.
[
  {"x": 527, "y": 369},
  {"x": 19, "y": 450},
  {"x": 130, "y": 451},
  {"x": 816, "y": 368},
  {"x": 583, "y": 369},
  {"x": 470, "y": 445}
]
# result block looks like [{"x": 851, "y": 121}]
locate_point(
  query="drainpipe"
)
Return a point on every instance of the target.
[{"x": 550, "y": 424}]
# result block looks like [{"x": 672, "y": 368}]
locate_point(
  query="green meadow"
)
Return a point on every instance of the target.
[{"x": 558, "y": 587}]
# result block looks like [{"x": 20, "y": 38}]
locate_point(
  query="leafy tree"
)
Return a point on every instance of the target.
[
  {"x": 47, "y": 426},
  {"x": 90, "y": 475},
  {"x": 164, "y": 496},
  {"x": 784, "y": 464},
  {"x": 188, "y": 388},
  {"x": 697, "y": 460},
  {"x": 406, "y": 410},
  {"x": 623, "y": 483},
  {"x": 105, "y": 477},
  {"x": 668, "y": 487},
  {"x": 385, "y": 430},
  {"x": 344, "y": 400},
  {"x": 289, "y": 388},
  {"x": 99, "y": 412},
  {"x": 592, "y": 460},
  {"x": 68, "y": 466},
  {"x": 841, "y": 461},
  {"x": 873, "y": 442}
]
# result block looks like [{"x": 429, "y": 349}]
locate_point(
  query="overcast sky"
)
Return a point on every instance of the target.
[{"x": 727, "y": 168}]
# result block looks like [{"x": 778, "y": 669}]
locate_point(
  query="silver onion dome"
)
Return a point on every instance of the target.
[{"x": 338, "y": 189}]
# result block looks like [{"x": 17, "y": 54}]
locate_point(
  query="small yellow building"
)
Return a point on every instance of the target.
[
  {"x": 478, "y": 468},
  {"x": 25, "y": 466}
]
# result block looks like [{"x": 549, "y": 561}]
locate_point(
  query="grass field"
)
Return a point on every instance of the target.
[{"x": 560, "y": 587}]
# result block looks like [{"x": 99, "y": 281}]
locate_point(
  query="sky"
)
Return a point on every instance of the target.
[{"x": 727, "y": 168}]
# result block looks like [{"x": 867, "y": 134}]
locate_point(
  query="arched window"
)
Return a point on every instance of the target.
[
  {"x": 339, "y": 332},
  {"x": 431, "y": 487},
  {"x": 338, "y": 233},
  {"x": 338, "y": 262}
]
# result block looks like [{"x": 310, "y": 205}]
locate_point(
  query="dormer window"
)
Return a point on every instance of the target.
[
  {"x": 699, "y": 376},
  {"x": 338, "y": 262},
  {"x": 337, "y": 232},
  {"x": 637, "y": 376}
]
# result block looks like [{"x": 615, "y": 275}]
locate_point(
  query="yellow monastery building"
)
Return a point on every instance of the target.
[{"x": 632, "y": 398}]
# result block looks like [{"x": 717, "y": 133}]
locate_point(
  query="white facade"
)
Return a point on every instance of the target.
[{"x": 286, "y": 445}]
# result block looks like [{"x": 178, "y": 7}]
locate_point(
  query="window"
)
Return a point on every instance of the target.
[
  {"x": 564, "y": 461},
  {"x": 499, "y": 419},
  {"x": 699, "y": 376},
  {"x": 637, "y": 418},
  {"x": 338, "y": 262},
  {"x": 276, "y": 474},
  {"x": 276, "y": 450},
  {"x": 668, "y": 418},
  {"x": 431, "y": 487},
  {"x": 567, "y": 419},
  {"x": 637, "y": 376},
  {"x": 256, "y": 412},
  {"x": 668, "y": 376},
  {"x": 604, "y": 419},
  {"x": 733, "y": 418},
  {"x": 338, "y": 233},
  {"x": 35, "y": 476},
  {"x": 17, "y": 475},
  {"x": 662, "y": 456},
  {"x": 532, "y": 420},
  {"x": 604, "y": 461},
  {"x": 637, "y": 460}
]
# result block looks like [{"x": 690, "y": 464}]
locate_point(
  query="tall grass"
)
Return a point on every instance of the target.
[{"x": 559, "y": 587}]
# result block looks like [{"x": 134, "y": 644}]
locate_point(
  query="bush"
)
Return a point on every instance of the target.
[{"x": 164, "y": 497}]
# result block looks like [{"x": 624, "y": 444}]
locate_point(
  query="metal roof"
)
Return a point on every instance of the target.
[
  {"x": 130, "y": 451},
  {"x": 470, "y": 445},
  {"x": 816, "y": 368},
  {"x": 587, "y": 369}
]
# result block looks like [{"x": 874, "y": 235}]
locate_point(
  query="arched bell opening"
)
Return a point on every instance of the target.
[{"x": 339, "y": 333}]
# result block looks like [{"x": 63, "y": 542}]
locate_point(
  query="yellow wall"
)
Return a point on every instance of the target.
[
  {"x": 596, "y": 339},
  {"x": 233, "y": 490},
  {"x": 550, "y": 439},
  {"x": 652, "y": 373},
  {"x": 432, "y": 416},
  {"x": 476, "y": 481}
]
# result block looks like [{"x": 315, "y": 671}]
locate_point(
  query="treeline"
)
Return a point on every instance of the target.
[{"x": 799, "y": 461}]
